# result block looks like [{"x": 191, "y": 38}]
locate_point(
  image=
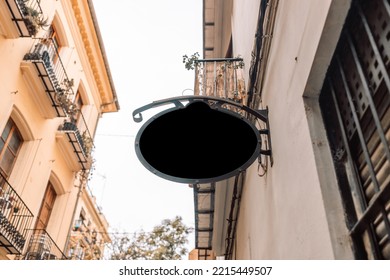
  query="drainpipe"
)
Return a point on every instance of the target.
[{"x": 267, "y": 15}]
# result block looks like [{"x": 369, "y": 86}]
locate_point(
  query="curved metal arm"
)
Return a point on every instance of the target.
[{"x": 157, "y": 103}]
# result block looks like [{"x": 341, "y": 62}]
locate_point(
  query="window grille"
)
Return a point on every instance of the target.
[{"x": 355, "y": 103}]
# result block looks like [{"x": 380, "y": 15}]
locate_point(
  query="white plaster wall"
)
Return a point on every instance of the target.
[
  {"x": 282, "y": 214},
  {"x": 244, "y": 25}
]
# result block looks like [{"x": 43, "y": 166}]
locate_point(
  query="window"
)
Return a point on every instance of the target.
[
  {"x": 79, "y": 104},
  {"x": 56, "y": 43},
  {"x": 46, "y": 207},
  {"x": 10, "y": 144},
  {"x": 355, "y": 103}
]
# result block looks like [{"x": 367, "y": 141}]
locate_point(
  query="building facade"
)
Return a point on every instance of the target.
[
  {"x": 89, "y": 235},
  {"x": 322, "y": 70},
  {"x": 55, "y": 85}
]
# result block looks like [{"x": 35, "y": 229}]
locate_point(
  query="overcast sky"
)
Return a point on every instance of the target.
[{"x": 144, "y": 41}]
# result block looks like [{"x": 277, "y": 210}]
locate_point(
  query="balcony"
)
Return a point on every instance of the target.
[
  {"x": 15, "y": 218},
  {"x": 21, "y": 18},
  {"x": 217, "y": 204},
  {"x": 45, "y": 74},
  {"x": 84, "y": 243},
  {"x": 222, "y": 78},
  {"x": 75, "y": 147},
  {"x": 79, "y": 226},
  {"x": 204, "y": 215},
  {"x": 42, "y": 247}
]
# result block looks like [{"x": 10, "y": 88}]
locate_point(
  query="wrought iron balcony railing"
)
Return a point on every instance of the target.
[
  {"x": 46, "y": 74},
  {"x": 222, "y": 78},
  {"x": 79, "y": 225},
  {"x": 80, "y": 144},
  {"x": 23, "y": 19},
  {"x": 84, "y": 242},
  {"x": 15, "y": 218},
  {"x": 42, "y": 247}
]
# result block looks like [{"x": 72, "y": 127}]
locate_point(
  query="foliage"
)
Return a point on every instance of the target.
[
  {"x": 165, "y": 242},
  {"x": 34, "y": 20},
  {"x": 87, "y": 143},
  {"x": 64, "y": 97},
  {"x": 190, "y": 62}
]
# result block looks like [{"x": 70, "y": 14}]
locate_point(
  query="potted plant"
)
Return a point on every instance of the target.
[
  {"x": 87, "y": 143},
  {"x": 34, "y": 20},
  {"x": 190, "y": 62}
]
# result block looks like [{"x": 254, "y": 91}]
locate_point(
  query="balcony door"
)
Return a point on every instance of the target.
[
  {"x": 46, "y": 207},
  {"x": 55, "y": 45}
]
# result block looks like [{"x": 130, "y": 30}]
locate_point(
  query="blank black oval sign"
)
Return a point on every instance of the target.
[{"x": 197, "y": 144}]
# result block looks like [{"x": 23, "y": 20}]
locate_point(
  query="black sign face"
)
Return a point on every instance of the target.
[{"x": 197, "y": 144}]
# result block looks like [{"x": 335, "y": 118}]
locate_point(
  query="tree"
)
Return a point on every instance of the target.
[{"x": 165, "y": 242}]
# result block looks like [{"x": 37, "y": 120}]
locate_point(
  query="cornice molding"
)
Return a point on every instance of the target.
[{"x": 85, "y": 22}]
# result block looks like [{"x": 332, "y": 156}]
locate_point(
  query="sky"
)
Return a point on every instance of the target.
[{"x": 145, "y": 41}]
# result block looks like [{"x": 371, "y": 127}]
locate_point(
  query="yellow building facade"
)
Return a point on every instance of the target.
[{"x": 55, "y": 85}]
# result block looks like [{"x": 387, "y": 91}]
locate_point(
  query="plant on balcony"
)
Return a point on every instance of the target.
[
  {"x": 79, "y": 226},
  {"x": 87, "y": 143},
  {"x": 33, "y": 19},
  {"x": 190, "y": 62},
  {"x": 64, "y": 98}
]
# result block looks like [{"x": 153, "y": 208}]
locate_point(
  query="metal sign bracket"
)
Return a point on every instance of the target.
[{"x": 217, "y": 104}]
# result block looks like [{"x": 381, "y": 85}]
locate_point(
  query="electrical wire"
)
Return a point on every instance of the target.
[{"x": 116, "y": 135}]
